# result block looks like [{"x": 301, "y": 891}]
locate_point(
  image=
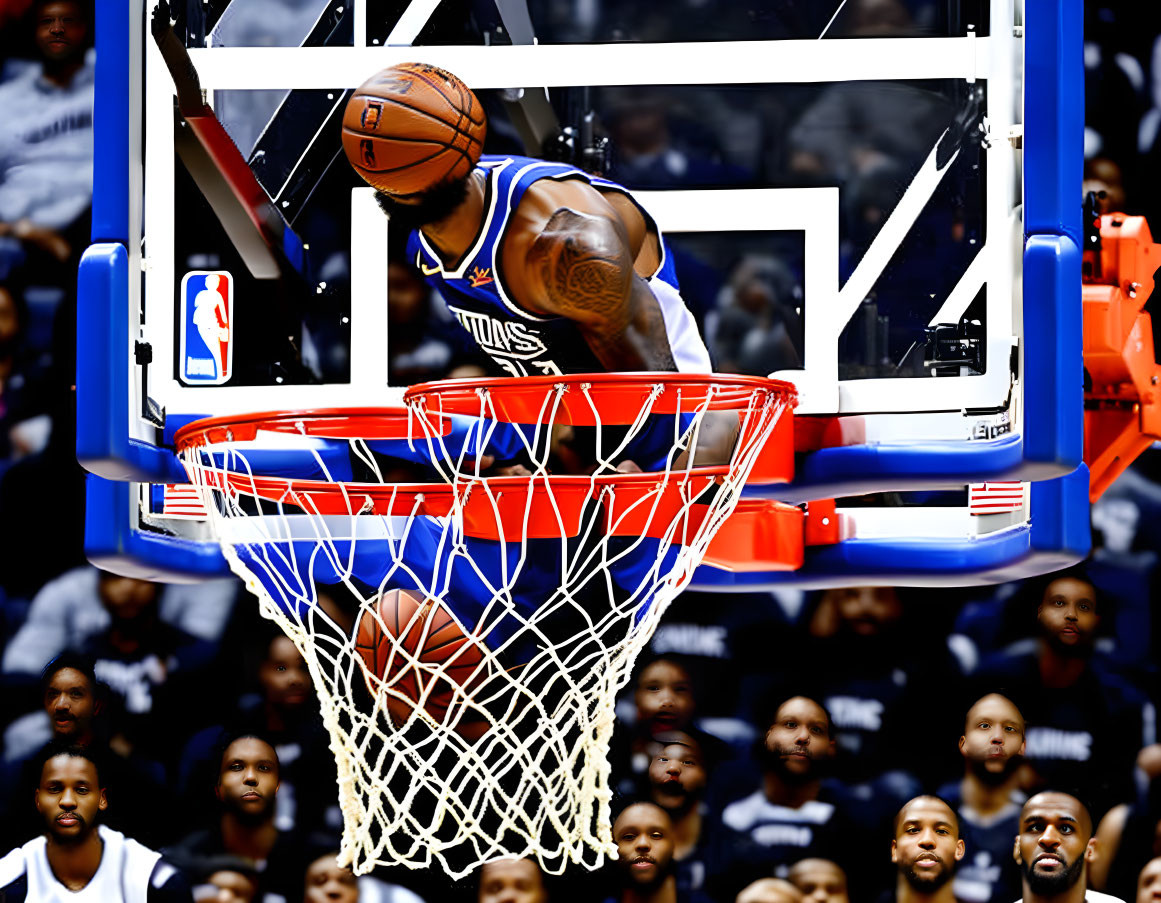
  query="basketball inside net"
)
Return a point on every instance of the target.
[{"x": 417, "y": 649}]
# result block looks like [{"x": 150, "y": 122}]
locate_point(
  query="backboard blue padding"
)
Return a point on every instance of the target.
[
  {"x": 998, "y": 558},
  {"x": 1053, "y": 117},
  {"x": 111, "y": 160},
  {"x": 114, "y": 544}
]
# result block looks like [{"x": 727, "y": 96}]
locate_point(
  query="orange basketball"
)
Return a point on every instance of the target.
[
  {"x": 412, "y": 127},
  {"x": 421, "y": 632}
]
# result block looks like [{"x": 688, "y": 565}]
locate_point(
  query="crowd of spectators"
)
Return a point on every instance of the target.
[{"x": 850, "y": 745}]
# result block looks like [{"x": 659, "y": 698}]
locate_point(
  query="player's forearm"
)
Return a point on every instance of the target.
[{"x": 639, "y": 343}]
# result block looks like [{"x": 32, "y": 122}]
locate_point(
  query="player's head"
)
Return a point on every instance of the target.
[
  {"x": 819, "y": 880},
  {"x": 1068, "y": 613},
  {"x": 62, "y": 29},
  {"x": 677, "y": 772},
  {"x": 927, "y": 845},
  {"x": 511, "y": 881},
  {"x": 664, "y": 695},
  {"x": 70, "y": 793},
  {"x": 1055, "y": 843},
  {"x": 865, "y": 611},
  {"x": 328, "y": 882},
  {"x": 1149, "y": 882},
  {"x": 643, "y": 833},
  {"x": 993, "y": 738},
  {"x": 70, "y": 693},
  {"x": 799, "y": 738},
  {"x": 428, "y": 207},
  {"x": 248, "y": 778},
  {"x": 770, "y": 890},
  {"x": 283, "y": 674},
  {"x": 127, "y": 599},
  {"x": 415, "y": 132}
]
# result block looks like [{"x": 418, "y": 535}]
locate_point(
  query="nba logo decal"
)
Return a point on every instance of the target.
[{"x": 207, "y": 328}]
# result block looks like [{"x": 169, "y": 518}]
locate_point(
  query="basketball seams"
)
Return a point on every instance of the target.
[
  {"x": 455, "y": 128},
  {"x": 427, "y": 159},
  {"x": 430, "y": 114},
  {"x": 439, "y": 90}
]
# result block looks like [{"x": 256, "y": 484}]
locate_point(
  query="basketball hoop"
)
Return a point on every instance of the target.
[{"x": 469, "y": 696}]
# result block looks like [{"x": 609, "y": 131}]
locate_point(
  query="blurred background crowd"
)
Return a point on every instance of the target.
[{"x": 777, "y": 734}]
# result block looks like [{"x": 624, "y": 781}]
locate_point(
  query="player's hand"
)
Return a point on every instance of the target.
[
  {"x": 160, "y": 22},
  {"x": 486, "y": 469}
]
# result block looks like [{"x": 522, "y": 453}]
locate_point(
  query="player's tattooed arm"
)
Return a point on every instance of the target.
[{"x": 582, "y": 269}]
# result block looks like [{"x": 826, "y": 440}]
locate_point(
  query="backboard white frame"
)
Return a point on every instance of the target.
[{"x": 814, "y": 211}]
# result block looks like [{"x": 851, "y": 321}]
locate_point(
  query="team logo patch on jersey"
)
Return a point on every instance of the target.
[
  {"x": 207, "y": 327},
  {"x": 480, "y": 276}
]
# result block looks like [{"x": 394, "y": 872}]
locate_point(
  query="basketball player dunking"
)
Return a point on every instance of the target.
[{"x": 551, "y": 270}]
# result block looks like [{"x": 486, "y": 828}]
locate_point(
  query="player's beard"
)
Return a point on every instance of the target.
[
  {"x": 433, "y": 205},
  {"x": 1052, "y": 885}
]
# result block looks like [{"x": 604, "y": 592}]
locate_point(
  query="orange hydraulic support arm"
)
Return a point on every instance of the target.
[{"x": 1122, "y": 399}]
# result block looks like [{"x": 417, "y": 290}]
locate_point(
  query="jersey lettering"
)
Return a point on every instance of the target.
[{"x": 511, "y": 344}]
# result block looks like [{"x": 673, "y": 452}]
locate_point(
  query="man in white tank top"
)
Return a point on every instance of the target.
[{"x": 77, "y": 860}]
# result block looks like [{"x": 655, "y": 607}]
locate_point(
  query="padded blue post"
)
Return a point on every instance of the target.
[
  {"x": 1053, "y": 117},
  {"x": 1053, "y": 351},
  {"x": 103, "y": 443},
  {"x": 1060, "y": 514},
  {"x": 111, "y": 105}
]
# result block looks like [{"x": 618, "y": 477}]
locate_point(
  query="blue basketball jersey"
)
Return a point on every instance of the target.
[{"x": 519, "y": 341}]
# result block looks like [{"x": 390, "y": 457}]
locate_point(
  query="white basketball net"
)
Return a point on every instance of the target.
[{"x": 557, "y": 638}]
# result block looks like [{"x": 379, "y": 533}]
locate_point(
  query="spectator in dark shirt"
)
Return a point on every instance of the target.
[
  {"x": 677, "y": 783},
  {"x": 988, "y": 799},
  {"x": 511, "y": 881},
  {"x": 328, "y": 882},
  {"x": 643, "y": 834},
  {"x": 925, "y": 851},
  {"x": 232, "y": 882},
  {"x": 770, "y": 890},
  {"x": 665, "y": 701},
  {"x": 246, "y": 790},
  {"x": 148, "y": 665},
  {"x": 820, "y": 881},
  {"x": 792, "y": 815},
  {"x": 77, "y": 854},
  {"x": 46, "y": 144},
  {"x": 285, "y": 712},
  {"x": 1080, "y": 711}
]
